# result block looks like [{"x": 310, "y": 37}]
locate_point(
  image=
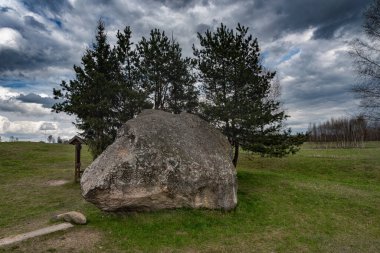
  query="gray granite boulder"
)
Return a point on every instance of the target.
[{"x": 161, "y": 160}]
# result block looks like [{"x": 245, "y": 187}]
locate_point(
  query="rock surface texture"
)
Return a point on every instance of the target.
[{"x": 161, "y": 160}]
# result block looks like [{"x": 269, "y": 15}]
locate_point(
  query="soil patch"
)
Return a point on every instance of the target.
[{"x": 57, "y": 182}]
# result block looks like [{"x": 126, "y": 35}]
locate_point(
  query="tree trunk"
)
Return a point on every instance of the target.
[{"x": 236, "y": 155}]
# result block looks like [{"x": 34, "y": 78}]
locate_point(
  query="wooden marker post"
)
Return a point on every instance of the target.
[{"x": 77, "y": 141}]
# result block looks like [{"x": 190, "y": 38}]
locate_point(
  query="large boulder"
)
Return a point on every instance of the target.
[{"x": 161, "y": 160}]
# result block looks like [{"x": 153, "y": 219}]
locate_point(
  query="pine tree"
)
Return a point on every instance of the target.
[
  {"x": 238, "y": 93},
  {"x": 102, "y": 95},
  {"x": 131, "y": 99},
  {"x": 165, "y": 75},
  {"x": 183, "y": 96}
]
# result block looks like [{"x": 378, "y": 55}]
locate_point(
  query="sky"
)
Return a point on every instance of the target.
[{"x": 305, "y": 41}]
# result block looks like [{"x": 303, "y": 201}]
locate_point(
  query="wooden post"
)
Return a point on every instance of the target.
[
  {"x": 77, "y": 141},
  {"x": 78, "y": 147}
]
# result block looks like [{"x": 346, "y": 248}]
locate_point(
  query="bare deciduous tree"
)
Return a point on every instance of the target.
[
  {"x": 340, "y": 133},
  {"x": 366, "y": 55}
]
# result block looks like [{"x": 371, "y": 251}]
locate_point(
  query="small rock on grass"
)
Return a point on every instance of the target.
[{"x": 73, "y": 217}]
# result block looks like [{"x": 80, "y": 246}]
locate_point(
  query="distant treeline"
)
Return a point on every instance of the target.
[{"x": 344, "y": 132}]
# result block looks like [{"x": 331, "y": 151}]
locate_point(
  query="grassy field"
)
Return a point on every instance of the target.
[{"x": 320, "y": 200}]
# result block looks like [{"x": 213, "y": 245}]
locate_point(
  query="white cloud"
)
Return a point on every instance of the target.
[
  {"x": 6, "y": 93},
  {"x": 31, "y": 121},
  {"x": 10, "y": 38},
  {"x": 72, "y": 2},
  {"x": 25, "y": 127},
  {"x": 300, "y": 37},
  {"x": 35, "y": 130},
  {"x": 288, "y": 79}
]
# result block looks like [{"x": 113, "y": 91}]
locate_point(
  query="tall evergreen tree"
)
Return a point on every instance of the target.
[
  {"x": 238, "y": 93},
  {"x": 165, "y": 75},
  {"x": 131, "y": 99},
  {"x": 101, "y": 93}
]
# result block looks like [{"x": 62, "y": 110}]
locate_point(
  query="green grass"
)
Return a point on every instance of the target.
[{"x": 319, "y": 200}]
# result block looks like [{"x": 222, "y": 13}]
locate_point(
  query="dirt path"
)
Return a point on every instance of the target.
[
  {"x": 77, "y": 239},
  {"x": 43, "y": 231}
]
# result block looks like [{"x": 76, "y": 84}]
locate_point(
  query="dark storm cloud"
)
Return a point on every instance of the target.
[
  {"x": 296, "y": 15},
  {"x": 326, "y": 15},
  {"x": 318, "y": 95},
  {"x": 7, "y": 20},
  {"x": 5, "y": 9},
  {"x": 48, "y": 126},
  {"x": 40, "y": 48},
  {"x": 13, "y": 106},
  {"x": 181, "y": 4},
  {"x": 36, "y": 47},
  {"x": 56, "y": 33},
  {"x": 42, "y": 6},
  {"x": 202, "y": 28},
  {"x": 30, "y": 21},
  {"x": 32, "y": 58},
  {"x": 8, "y": 106},
  {"x": 46, "y": 102}
]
